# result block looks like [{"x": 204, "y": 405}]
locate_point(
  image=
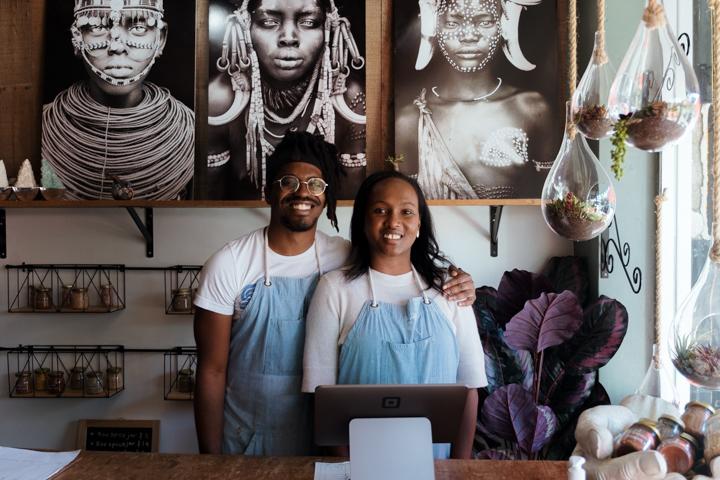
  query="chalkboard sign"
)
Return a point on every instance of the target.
[{"x": 119, "y": 435}]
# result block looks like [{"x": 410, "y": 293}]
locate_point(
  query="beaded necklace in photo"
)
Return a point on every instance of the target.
[{"x": 150, "y": 145}]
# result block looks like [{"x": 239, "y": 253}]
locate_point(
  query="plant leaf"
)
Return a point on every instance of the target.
[
  {"x": 516, "y": 288},
  {"x": 511, "y": 414},
  {"x": 603, "y": 329},
  {"x": 503, "y": 364},
  {"x": 544, "y": 322},
  {"x": 564, "y": 392},
  {"x": 496, "y": 454},
  {"x": 485, "y": 298},
  {"x": 569, "y": 273}
]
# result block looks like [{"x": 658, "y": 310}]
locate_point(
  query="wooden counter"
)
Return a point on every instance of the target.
[{"x": 158, "y": 466}]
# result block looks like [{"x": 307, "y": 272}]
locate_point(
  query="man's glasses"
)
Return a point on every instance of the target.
[{"x": 291, "y": 184}]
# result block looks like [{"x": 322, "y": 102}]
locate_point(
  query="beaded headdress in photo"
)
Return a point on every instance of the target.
[
  {"x": 111, "y": 14},
  {"x": 509, "y": 21},
  {"x": 239, "y": 60}
]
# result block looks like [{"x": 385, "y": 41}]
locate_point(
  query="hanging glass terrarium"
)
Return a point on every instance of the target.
[
  {"x": 695, "y": 332},
  {"x": 655, "y": 95},
  {"x": 578, "y": 199},
  {"x": 589, "y": 103}
]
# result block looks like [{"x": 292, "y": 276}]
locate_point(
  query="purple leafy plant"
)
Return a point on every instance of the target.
[{"x": 543, "y": 348}]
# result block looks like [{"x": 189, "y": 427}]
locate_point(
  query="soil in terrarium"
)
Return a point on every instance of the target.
[
  {"x": 593, "y": 121},
  {"x": 700, "y": 364},
  {"x": 650, "y": 129},
  {"x": 572, "y": 218}
]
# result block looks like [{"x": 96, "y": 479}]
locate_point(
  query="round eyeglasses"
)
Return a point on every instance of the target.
[{"x": 290, "y": 183}]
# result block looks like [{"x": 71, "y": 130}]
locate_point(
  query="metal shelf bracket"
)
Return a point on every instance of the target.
[
  {"x": 145, "y": 228},
  {"x": 495, "y": 215}
]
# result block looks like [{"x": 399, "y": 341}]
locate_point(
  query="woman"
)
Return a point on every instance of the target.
[{"x": 382, "y": 319}]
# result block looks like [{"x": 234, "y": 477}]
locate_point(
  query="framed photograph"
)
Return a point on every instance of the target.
[
  {"x": 283, "y": 65},
  {"x": 479, "y": 90},
  {"x": 118, "y": 99}
]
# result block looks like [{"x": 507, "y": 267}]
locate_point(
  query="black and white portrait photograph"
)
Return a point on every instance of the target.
[
  {"x": 277, "y": 66},
  {"x": 477, "y": 89},
  {"x": 119, "y": 89}
]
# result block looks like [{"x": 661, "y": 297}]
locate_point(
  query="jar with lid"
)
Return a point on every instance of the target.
[
  {"x": 23, "y": 383},
  {"x": 679, "y": 452},
  {"x": 79, "y": 298},
  {"x": 182, "y": 300},
  {"x": 186, "y": 380},
  {"x": 114, "y": 379},
  {"x": 77, "y": 378},
  {"x": 41, "y": 379},
  {"x": 94, "y": 383},
  {"x": 43, "y": 300},
  {"x": 65, "y": 295},
  {"x": 56, "y": 382},
  {"x": 640, "y": 436},
  {"x": 669, "y": 426},
  {"x": 695, "y": 416},
  {"x": 107, "y": 295},
  {"x": 712, "y": 437}
]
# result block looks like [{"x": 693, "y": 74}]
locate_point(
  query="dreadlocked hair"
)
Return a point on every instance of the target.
[
  {"x": 313, "y": 149},
  {"x": 425, "y": 254}
]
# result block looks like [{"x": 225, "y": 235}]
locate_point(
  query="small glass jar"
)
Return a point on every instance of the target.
[
  {"x": 77, "y": 378},
  {"x": 712, "y": 437},
  {"x": 114, "y": 379},
  {"x": 43, "y": 300},
  {"x": 186, "y": 380},
  {"x": 56, "y": 382},
  {"x": 695, "y": 416},
  {"x": 65, "y": 296},
  {"x": 94, "y": 383},
  {"x": 41, "y": 379},
  {"x": 23, "y": 383},
  {"x": 79, "y": 298},
  {"x": 182, "y": 300},
  {"x": 669, "y": 426},
  {"x": 107, "y": 295},
  {"x": 642, "y": 435},
  {"x": 679, "y": 452}
]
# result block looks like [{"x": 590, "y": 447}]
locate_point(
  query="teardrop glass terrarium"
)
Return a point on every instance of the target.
[
  {"x": 589, "y": 103},
  {"x": 695, "y": 331},
  {"x": 655, "y": 94},
  {"x": 578, "y": 198}
]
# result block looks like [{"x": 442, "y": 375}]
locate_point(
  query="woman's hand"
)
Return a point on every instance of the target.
[{"x": 459, "y": 287}]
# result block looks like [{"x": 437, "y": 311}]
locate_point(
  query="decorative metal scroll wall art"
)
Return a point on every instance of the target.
[{"x": 622, "y": 250}]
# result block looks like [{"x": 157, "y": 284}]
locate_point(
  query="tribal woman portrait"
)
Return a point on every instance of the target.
[
  {"x": 114, "y": 125},
  {"x": 472, "y": 121},
  {"x": 279, "y": 66}
]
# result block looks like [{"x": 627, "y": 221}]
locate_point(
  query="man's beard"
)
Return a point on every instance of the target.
[{"x": 299, "y": 226}]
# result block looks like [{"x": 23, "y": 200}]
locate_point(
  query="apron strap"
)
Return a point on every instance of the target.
[
  {"x": 374, "y": 303},
  {"x": 266, "y": 266}
]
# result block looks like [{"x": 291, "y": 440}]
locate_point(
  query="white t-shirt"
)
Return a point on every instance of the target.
[
  {"x": 336, "y": 305},
  {"x": 228, "y": 277}
]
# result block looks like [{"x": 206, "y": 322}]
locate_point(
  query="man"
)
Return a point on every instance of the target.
[
  {"x": 285, "y": 65},
  {"x": 251, "y": 306},
  {"x": 475, "y": 135},
  {"x": 117, "y": 125}
]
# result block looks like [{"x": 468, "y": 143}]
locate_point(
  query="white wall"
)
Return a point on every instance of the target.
[{"x": 184, "y": 236}]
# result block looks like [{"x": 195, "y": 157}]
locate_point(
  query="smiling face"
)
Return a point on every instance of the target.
[
  {"x": 469, "y": 32},
  {"x": 392, "y": 219},
  {"x": 297, "y": 211},
  {"x": 288, "y": 36}
]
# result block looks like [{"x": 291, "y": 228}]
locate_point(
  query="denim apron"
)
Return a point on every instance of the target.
[
  {"x": 265, "y": 411},
  {"x": 395, "y": 344}
]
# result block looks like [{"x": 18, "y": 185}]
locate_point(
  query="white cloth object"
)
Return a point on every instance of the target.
[
  {"x": 337, "y": 303},
  {"x": 240, "y": 264},
  {"x": 19, "y": 464},
  {"x": 332, "y": 471}
]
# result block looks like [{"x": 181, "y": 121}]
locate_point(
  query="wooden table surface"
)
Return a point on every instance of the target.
[{"x": 159, "y": 466}]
